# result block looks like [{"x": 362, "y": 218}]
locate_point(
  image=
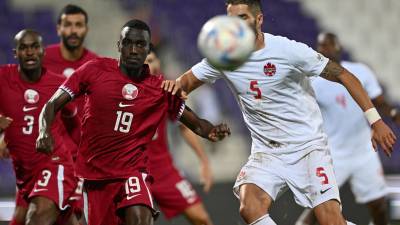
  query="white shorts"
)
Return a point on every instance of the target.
[
  {"x": 311, "y": 179},
  {"x": 365, "y": 175}
]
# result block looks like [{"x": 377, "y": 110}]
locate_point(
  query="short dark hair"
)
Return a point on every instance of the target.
[
  {"x": 72, "y": 9},
  {"x": 254, "y": 5},
  {"x": 137, "y": 24}
]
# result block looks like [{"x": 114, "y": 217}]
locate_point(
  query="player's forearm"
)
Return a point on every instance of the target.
[
  {"x": 46, "y": 117},
  {"x": 356, "y": 90},
  {"x": 188, "y": 82},
  {"x": 385, "y": 108},
  {"x": 199, "y": 126},
  {"x": 194, "y": 142}
]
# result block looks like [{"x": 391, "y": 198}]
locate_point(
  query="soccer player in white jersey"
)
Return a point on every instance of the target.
[
  {"x": 349, "y": 133},
  {"x": 289, "y": 148}
]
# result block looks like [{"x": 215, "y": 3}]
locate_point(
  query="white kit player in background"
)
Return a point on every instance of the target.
[
  {"x": 349, "y": 133},
  {"x": 289, "y": 146}
]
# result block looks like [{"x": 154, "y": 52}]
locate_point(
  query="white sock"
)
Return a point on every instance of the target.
[
  {"x": 264, "y": 220},
  {"x": 350, "y": 223}
]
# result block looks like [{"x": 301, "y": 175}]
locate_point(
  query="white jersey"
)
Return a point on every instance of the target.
[
  {"x": 348, "y": 130},
  {"x": 274, "y": 93}
]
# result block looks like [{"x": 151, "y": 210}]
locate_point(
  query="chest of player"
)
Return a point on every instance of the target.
[
  {"x": 119, "y": 94},
  {"x": 23, "y": 103},
  {"x": 262, "y": 79}
]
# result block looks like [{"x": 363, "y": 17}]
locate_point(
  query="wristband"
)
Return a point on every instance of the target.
[{"x": 372, "y": 115}]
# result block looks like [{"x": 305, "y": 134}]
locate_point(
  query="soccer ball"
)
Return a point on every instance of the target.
[{"x": 226, "y": 42}]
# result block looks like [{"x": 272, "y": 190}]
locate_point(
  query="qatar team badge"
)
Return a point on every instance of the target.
[
  {"x": 68, "y": 72},
  {"x": 31, "y": 96},
  {"x": 269, "y": 69},
  {"x": 129, "y": 91}
]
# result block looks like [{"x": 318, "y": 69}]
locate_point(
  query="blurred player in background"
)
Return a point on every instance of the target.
[
  {"x": 126, "y": 107},
  {"x": 349, "y": 134},
  {"x": 289, "y": 147},
  {"x": 172, "y": 192},
  {"x": 45, "y": 182},
  {"x": 68, "y": 55}
]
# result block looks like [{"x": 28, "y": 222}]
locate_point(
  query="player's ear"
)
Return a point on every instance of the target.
[
  {"x": 59, "y": 30},
  {"x": 260, "y": 19},
  {"x": 119, "y": 46},
  {"x": 15, "y": 53}
]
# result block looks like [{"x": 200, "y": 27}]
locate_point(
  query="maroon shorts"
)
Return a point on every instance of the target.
[
  {"x": 173, "y": 193},
  {"x": 56, "y": 182},
  {"x": 104, "y": 199}
]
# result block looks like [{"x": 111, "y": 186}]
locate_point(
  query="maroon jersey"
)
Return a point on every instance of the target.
[
  {"x": 54, "y": 61},
  {"x": 121, "y": 116},
  {"x": 23, "y": 101},
  {"x": 158, "y": 150}
]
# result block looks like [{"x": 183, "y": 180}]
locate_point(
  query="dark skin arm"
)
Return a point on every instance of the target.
[
  {"x": 386, "y": 109},
  {"x": 203, "y": 127},
  {"x": 44, "y": 142},
  {"x": 381, "y": 134}
]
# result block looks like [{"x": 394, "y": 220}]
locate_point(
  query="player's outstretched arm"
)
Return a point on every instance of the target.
[
  {"x": 44, "y": 142},
  {"x": 382, "y": 135},
  {"x": 203, "y": 127},
  {"x": 205, "y": 169},
  {"x": 183, "y": 85},
  {"x": 385, "y": 108}
]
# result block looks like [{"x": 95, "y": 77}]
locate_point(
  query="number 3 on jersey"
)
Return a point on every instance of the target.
[
  {"x": 255, "y": 89},
  {"x": 123, "y": 122}
]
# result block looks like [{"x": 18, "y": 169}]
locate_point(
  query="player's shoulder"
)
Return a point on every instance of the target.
[
  {"x": 8, "y": 70},
  {"x": 52, "y": 49},
  {"x": 54, "y": 76},
  {"x": 100, "y": 63},
  {"x": 89, "y": 55}
]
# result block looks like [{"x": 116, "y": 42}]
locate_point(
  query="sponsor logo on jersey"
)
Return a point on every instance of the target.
[
  {"x": 269, "y": 69},
  {"x": 122, "y": 105},
  {"x": 39, "y": 189},
  {"x": 68, "y": 72},
  {"x": 129, "y": 197},
  {"x": 27, "y": 109},
  {"x": 129, "y": 91},
  {"x": 31, "y": 96}
]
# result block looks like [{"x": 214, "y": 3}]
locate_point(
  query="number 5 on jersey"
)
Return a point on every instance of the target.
[
  {"x": 255, "y": 89},
  {"x": 123, "y": 122}
]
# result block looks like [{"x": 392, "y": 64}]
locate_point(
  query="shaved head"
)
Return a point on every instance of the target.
[{"x": 27, "y": 32}]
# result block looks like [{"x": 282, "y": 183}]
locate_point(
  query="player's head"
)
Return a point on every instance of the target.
[
  {"x": 134, "y": 44},
  {"x": 72, "y": 26},
  {"x": 153, "y": 61},
  {"x": 248, "y": 10},
  {"x": 329, "y": 46},
  {"x": 28, "y": 50}
]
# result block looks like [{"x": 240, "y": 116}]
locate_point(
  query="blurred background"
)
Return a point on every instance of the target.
[{"x": 368, "y": 29}]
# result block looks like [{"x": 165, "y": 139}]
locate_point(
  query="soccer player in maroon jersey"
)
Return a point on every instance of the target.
[
  {"x": 44, "y": 181},
  {"x": 68, "y": 55},
  {"x": 172, "y": 192},
  {"x": 125, "y": 105}
]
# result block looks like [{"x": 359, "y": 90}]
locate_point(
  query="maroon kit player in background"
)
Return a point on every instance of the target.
[
  {"x": 68, "y": 55},
  {"x": 45, "y": 182},
  {"x": 172, "y": 192},
  {"x": 125, "y": 105}
]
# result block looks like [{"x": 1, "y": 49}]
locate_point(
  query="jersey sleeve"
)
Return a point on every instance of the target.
[
  {"x": 176, "y": 106},
  {"x": 306, "y": 59},
  {"x": 79, "y": 81},
  {"x": 205, "y": 72},
  {"x": 371, "y": 84}
]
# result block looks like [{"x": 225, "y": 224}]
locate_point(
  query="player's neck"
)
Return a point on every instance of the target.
[
  {"x": 71, "y": 55},
  {"x": 131, "y": 73},
  {"x": 259, "y": 41},
  {"x": 30, "y": 76}
]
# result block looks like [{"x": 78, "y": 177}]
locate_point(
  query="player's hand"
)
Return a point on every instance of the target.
[
  {"x": 174, "y": 88},
  {"x": 383, "y": 136},
  {"x": 206, "y": 176},
  {"x": 44, "y": 143},
  {"x": 219, "y": 132},
  {"x": 5, "y": 122}
]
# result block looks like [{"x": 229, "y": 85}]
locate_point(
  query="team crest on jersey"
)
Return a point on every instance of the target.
[
  {"x": 68, "y": 72},
  {"x": 129, "y": 91},
  {"x": 269, "y": 69},
  {"x": 31, "y": 96}
]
